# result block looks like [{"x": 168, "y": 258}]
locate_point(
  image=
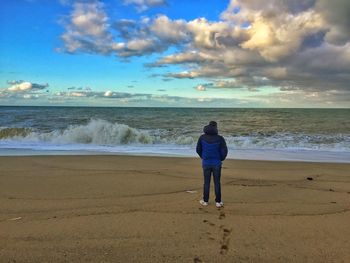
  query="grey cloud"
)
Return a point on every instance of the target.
[
  {"x": 13, "y": 82},
  {"x": 149, "y": 36},
  {"x": 20, "y": 96},
  {"x": 79, "y": 88},
  {"x": 71, "y": 2},
  {"x": 290, "y": 6},
  {"x": 141, "y": 47},
  {"x": 100, "y": 94},
  {"x": 126, "y": 28},
  {"x": 337, "y": 14},
  {"x": 82, "y": 97},
  {"x": 36, "y": 86},
  {"x": 238, "y": 83},
  {"x": 142, "y": 5},
  {"x": 323, "y": 68},
  {"x": 300, "y": 98},
  {"x": 146, "y": 98},
  {"x": 180, "y": 58},
  {"x": 299, "y": 6}
]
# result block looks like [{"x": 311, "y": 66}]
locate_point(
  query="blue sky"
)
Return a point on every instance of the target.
[{"x": 173, "y": 53}]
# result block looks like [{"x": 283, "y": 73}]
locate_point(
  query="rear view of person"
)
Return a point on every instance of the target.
[{"x": 212, "y": 149}]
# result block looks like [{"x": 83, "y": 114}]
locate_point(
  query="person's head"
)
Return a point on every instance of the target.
[
  {"x": 213, "y": 123},
  {"x": 211, "y": 128}
]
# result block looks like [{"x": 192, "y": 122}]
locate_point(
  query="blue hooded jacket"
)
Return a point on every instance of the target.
[{"x": 211, "y": 147}]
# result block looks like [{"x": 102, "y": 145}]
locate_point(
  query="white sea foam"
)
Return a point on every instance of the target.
[
  {"x": 175, "y": 151},
  {"x": 99, "y": 132},
  {"x": 103, "y": 136}
]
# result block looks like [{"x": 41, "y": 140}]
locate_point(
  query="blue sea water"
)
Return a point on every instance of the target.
[{"x": 268, "y": 134}]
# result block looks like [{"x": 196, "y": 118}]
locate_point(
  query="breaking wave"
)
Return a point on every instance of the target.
[
  {"x": 104, "y": 133},
  {"x": 98, "y": 132}
]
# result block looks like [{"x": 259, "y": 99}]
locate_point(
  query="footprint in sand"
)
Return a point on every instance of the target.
[
  {"x": 210, "y": 223},
  {"x": 210, "y": 237},
  {"x": 197, "y": 260},
  {"x": 225, "y": 241},
  {"x": 227, "y": 232},
  {"x": 224, "y": 249}
]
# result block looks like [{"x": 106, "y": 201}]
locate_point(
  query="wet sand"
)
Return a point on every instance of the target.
[{"x": 137, "y": 209}]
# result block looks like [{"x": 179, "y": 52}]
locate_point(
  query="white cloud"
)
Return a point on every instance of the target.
[
  {"x": 169, "y": 30},
  {"x": 87, "y": 29},
  {"x": 77, "y": 94},
  {"x": 25, "y": 86},
  {"x": 201, "y": 88},
  {"x": 108, "y": 93},
  {"x": 205, "y": 33},
  {"x": 30, "y": 96},
  {"x": 20, "y": 90},
  {"x": 140, "y": 45},
  {"x": 281, "y": 36}
]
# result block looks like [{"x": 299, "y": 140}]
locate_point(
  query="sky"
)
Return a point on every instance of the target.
[{"x": 175, "y": 53}]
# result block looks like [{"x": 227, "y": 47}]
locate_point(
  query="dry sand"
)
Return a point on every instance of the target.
[{"x": 136, "y": 209}]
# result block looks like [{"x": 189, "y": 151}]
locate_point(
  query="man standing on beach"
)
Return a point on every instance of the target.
[{"x": 212, "y": 149}]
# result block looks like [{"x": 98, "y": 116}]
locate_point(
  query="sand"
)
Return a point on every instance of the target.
[{"x": 136, "y": 209}]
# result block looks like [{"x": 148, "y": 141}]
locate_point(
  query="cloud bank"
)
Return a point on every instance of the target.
[
  {"x": 300, "y": 46},
  {"x": 20, "y": 89}
]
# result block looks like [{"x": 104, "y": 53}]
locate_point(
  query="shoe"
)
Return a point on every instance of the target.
[
  {"x": 202, "y": 202},
  {"x": 218, "y": 205}
]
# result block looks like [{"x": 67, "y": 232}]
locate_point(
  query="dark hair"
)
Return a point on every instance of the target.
[{"x": 213, "y": 123}]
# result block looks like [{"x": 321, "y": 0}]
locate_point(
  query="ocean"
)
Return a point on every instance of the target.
[{"x": 258, "y": 134}]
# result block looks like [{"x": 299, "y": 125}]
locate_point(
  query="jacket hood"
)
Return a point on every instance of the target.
[{"x": 210, "y": 130}]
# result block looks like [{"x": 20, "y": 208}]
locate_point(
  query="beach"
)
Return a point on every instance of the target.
[
  {"x": 145, "y": 209},
  {"x": 113, "y": 114}
]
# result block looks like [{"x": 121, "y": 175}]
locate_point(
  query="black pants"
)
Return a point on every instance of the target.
[{"x": 216, "y": 172}]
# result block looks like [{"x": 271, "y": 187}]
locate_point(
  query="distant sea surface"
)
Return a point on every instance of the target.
[{"x": 268, "y": 134}]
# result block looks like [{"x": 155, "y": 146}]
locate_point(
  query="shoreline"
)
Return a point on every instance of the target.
[
  {"x": 313, "y": 156},
  {"x": 109, "y": 208}
]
